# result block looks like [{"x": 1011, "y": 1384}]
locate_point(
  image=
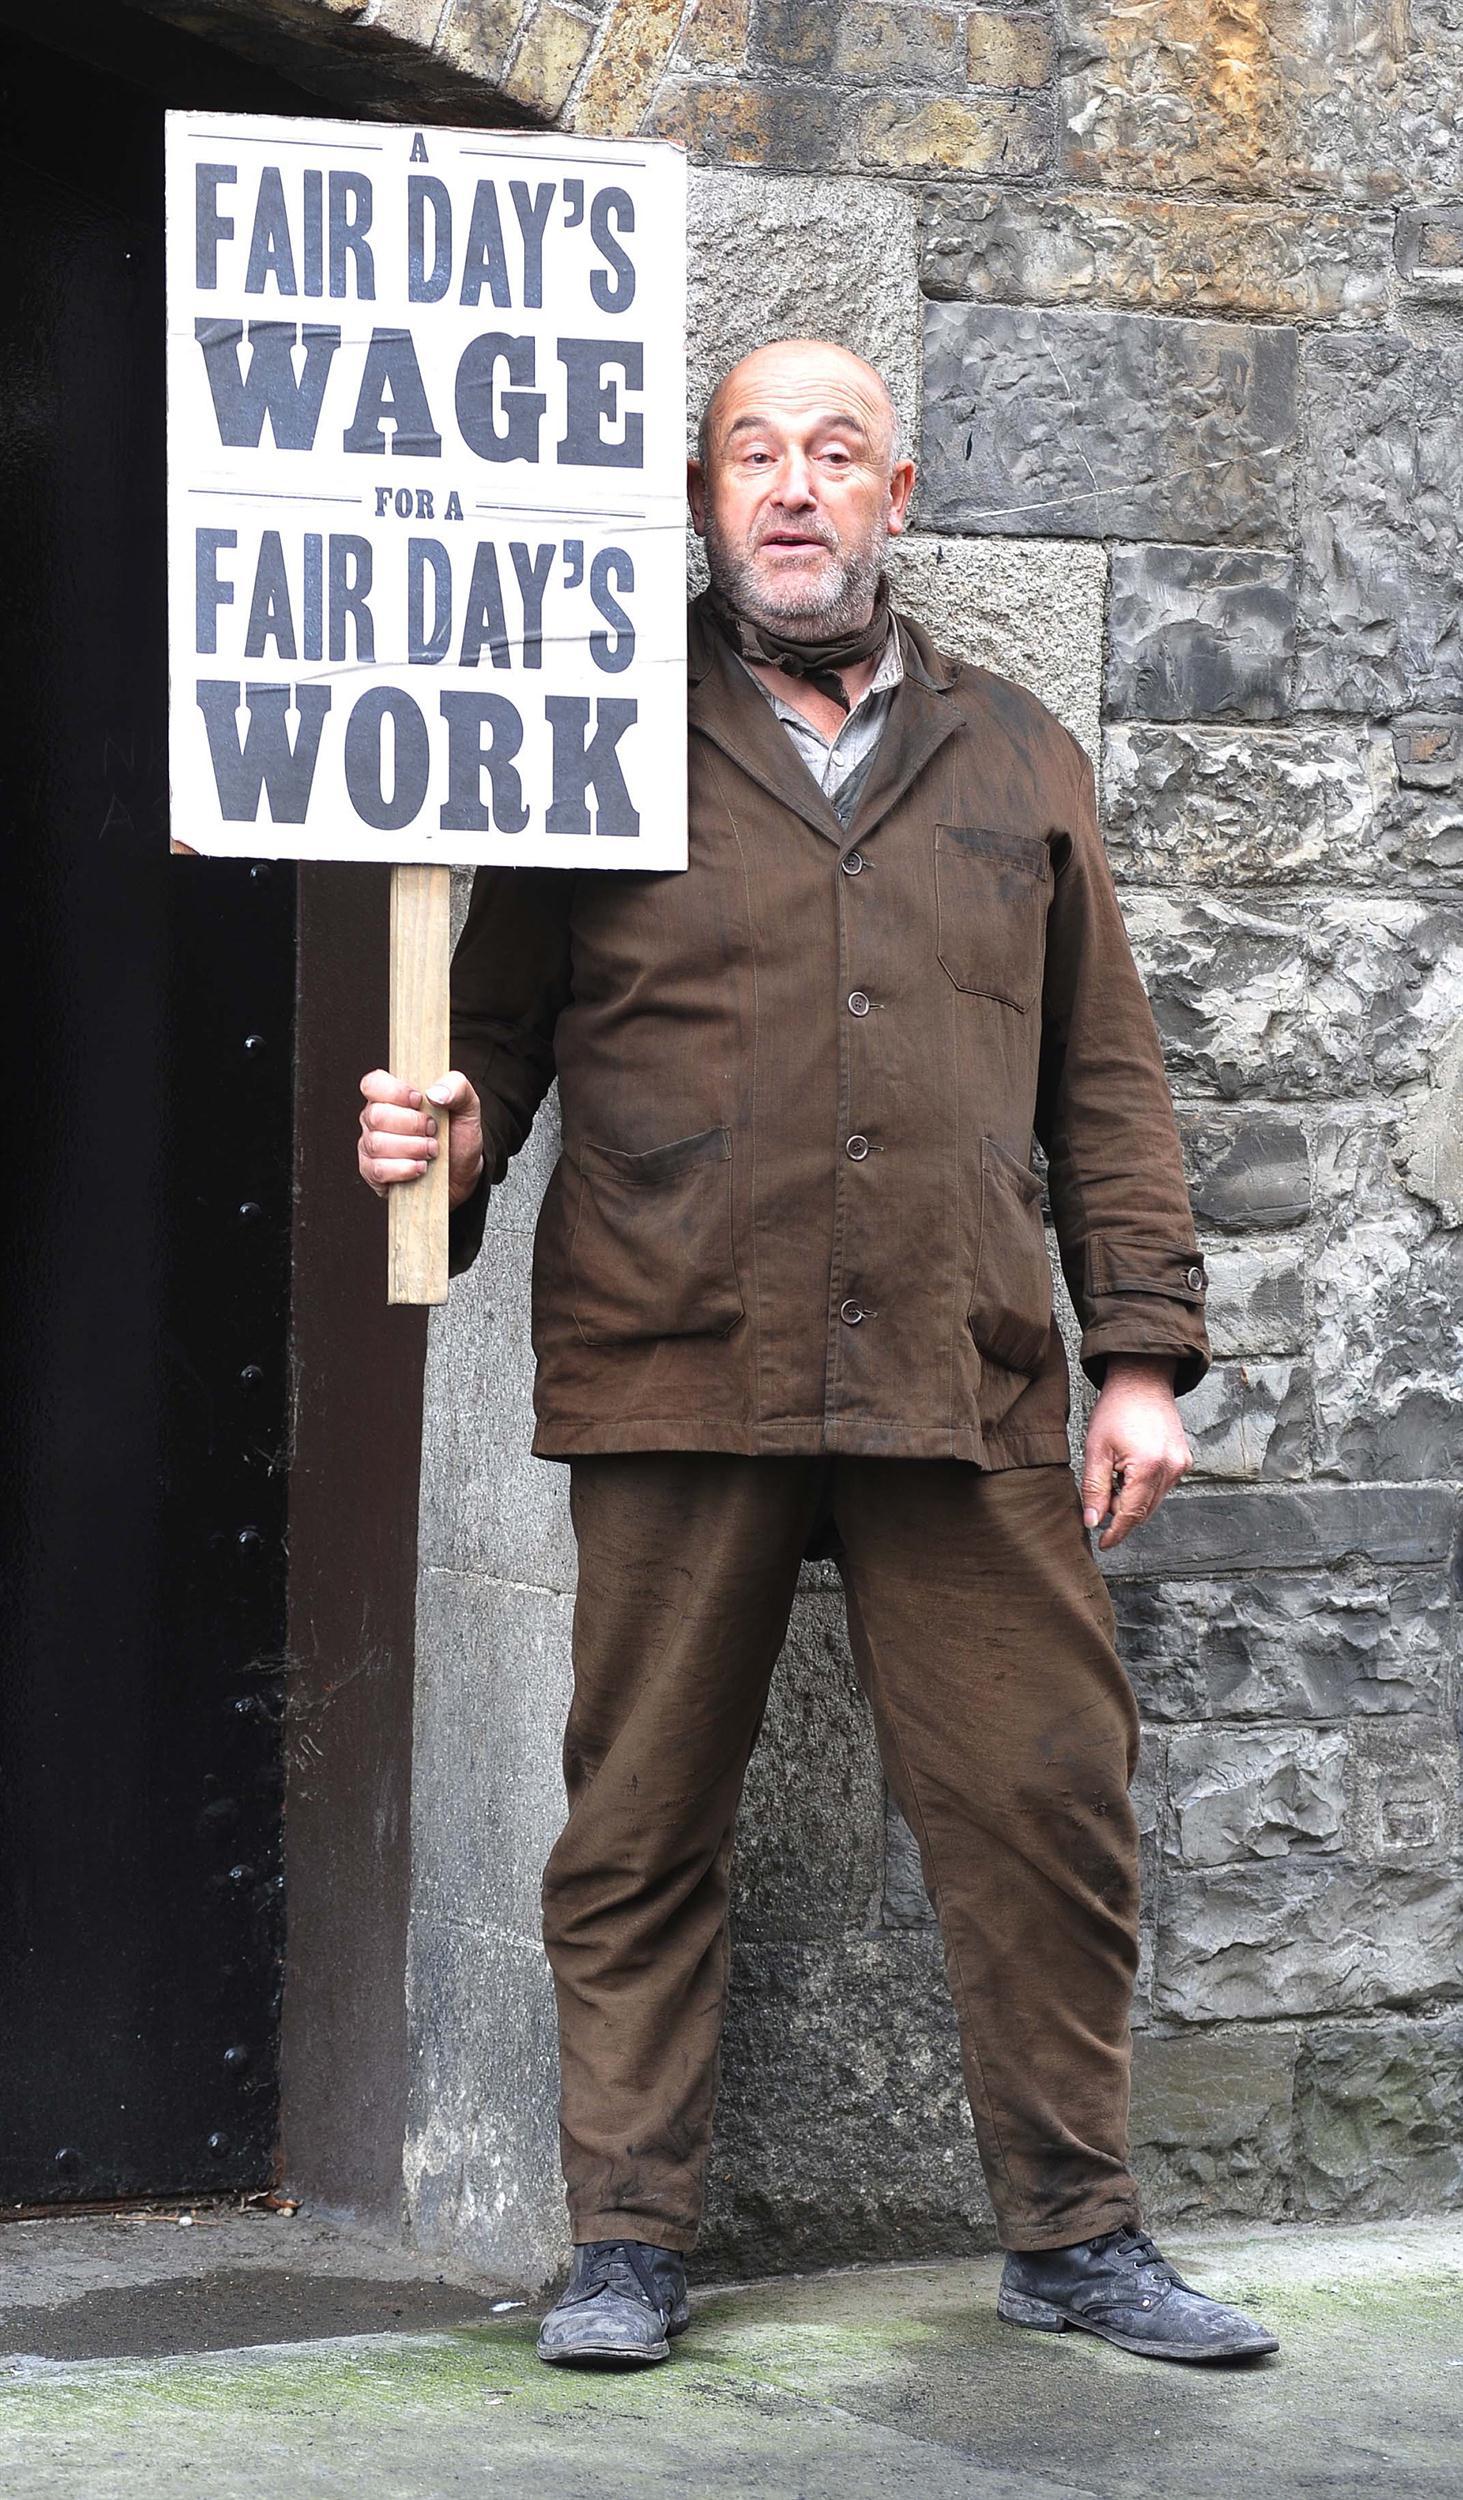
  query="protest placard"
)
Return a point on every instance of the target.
[
  {"x": 426, "y": 396},
  {"x": 426, "y": 493}
]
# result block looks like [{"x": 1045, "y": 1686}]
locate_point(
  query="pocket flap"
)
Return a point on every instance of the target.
[{"x": 657, "y": 1163}]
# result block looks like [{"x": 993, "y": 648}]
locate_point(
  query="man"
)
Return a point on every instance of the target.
[{"x": 791, "y": 1296}]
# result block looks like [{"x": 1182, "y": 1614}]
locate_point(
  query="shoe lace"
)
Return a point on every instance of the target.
[
  {"x": 617, "y": 2266},
  {"x": 1152, "y": 2263}
]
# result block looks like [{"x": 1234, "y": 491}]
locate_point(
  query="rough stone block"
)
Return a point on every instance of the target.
[
  {"x": 549, "y": 59},
  {"x": 1256, "y": 1300},
  {"x": 1089, "y": 424},
  {"x": 906, "y": 1902},
  {"x": 1242, "y": 1943},
  {"x": 1145, "y": 255},
  {"x": 748, "y": 284},
  {"x": 1149, "y": 1793},
  {"x": 1029, "y": 609},
  {"x": 861, "y": 42},
  {"x": 1335, "y": 1000},
  {"x": 787, "y": 128},
  {"x": 1222, "y": 807},
  {"x": 975, "y": 134},
  {"x": 1430, "y": 1149},
  {"x": 627, "y": 67},
  {"x": 810, "y": 1837},
  {"x": 476, "y": 36},
  {"x": 1228, "y": 989},
  {"x": 1389, "y": 1346},
  {"x": 1403, "y": 1781},
  {"x": 1379, "y": 2120},
  {"x": 1269, "y": 1792},
  {"x": 1429, "y": 750},
  {"x": 1211, "y": 2125},
  {"x": 1250, "y": 1419},
  {"x": 1199, "y": 633},
  {"x": 843, "y": 2131},
  {"x": 1006, "y": 48},
  {"x": 1300, "y": 96},
  {"x": 1200, "y": 1530},
  {"x": 1287, "y": 1645},
  {"x": 1429, "y": 248},
  {"x": 715, "y": 34},
  {"x": 1380, "y": 563},
  {"x": 1251, "y": 1173}
]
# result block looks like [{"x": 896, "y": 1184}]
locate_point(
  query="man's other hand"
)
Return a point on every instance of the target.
[
  {"x": 399, "y": 1134},
  {"x": 1136, "y": 1446}
]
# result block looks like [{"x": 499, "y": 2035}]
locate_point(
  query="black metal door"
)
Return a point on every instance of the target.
[{"x": 147, "y": 1159}]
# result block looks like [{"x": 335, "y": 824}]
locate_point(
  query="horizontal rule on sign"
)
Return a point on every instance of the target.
[{"x": 426, "y": 508}]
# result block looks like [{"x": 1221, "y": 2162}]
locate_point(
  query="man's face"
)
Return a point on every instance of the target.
[{"x": 800, "y": 493}]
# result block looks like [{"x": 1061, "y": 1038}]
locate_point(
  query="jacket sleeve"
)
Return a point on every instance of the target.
[
  {"x": 1105, "y": 1120},
  {"x": 510, "y": 978}
]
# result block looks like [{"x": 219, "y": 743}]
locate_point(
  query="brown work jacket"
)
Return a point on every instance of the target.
[{"x": 795, "y": 1209}]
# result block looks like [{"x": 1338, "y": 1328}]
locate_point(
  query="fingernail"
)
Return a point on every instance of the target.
[
  {"x": 431, "y": 1128},
  {"x": 414, "y": 1098},
  {"x": 438, "y": 1093},
  {"x": 1090, "y": 1518}
]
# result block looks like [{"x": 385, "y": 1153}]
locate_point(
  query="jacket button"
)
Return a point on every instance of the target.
[
  {"x": 852, "y": 864},
  {"x": 851, "y": 1313},
  {"x": 858, "y": 1004},
  {"x": 856, "y": 1149},
  {"x": 1194, "y": 1279}
]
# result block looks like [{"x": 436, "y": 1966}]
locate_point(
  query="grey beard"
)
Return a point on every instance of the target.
[{"x": 817, "y": 613}]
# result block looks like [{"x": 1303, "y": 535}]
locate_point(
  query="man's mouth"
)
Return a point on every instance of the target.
[{"x": 798, "y": 539}]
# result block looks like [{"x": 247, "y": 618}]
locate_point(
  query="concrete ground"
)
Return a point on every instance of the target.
[{"x": 258, "y": 2357}]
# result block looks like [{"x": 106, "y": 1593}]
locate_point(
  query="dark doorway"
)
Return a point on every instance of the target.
[{"x": 148, "y": 1255}]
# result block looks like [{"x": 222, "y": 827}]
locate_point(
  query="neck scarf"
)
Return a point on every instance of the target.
[{"x": 818, "y": 662}]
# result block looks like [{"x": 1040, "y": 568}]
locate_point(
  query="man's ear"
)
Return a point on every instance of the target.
[
  {"x": 696, "y": 496},
  {"x": 901, "y": 487}
]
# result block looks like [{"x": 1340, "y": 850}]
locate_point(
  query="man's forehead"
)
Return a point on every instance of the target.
[
  {"x": 817, "y": 406},
  {"x": 824, "y": 383}
]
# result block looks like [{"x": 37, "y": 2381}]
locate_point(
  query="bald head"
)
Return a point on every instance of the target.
[
  {"x": 811, "y": 372},
  {"x": 799, "y": 486}
]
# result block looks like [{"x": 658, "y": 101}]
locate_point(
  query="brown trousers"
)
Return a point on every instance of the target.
[{"x": 983, "y": 1637}]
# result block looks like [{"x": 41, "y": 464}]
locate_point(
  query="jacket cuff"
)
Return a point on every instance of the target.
[
  {"x": 465, "y": 1227},
  {"x": 1145, "y": 1298}
]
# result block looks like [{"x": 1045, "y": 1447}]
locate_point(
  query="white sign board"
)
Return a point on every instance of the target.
[{"x": 426, "y": 498}]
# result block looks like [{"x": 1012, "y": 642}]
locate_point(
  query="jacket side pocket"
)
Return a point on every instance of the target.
[
  {"x": 1011, "y": 1303},
  {"x": 652, "y": 1253}
]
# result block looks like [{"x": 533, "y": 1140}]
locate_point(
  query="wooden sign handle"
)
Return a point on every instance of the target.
[{"x": 421, "y": 950}]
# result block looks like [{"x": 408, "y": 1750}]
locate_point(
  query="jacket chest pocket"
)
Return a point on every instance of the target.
[
  {"x": 651, "y": 1254},
  {"x": 991, "y": 895}
]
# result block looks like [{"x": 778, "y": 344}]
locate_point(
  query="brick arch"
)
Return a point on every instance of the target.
[{"x": 591, "y": 65}]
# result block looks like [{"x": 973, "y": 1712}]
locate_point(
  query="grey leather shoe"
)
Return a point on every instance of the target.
[
  {"x": 621, "y": 2305},
  {"x": 1120, "y": 2286}
]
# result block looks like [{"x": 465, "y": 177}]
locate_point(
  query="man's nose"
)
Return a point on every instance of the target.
[{"x": 796, "y": 485}]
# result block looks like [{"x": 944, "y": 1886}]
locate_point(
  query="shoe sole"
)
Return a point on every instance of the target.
[
  {"x": 607, "y": 2357},
  {"x": 615, "y": 2356},
  {"x": 1017, "y": 2310}
]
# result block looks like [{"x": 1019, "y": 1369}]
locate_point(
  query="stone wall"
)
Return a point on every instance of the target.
[{"x": 1175, "y": 291}]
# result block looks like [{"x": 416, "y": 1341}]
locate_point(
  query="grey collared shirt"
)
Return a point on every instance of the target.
[{"x": 840, "y": 765}]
